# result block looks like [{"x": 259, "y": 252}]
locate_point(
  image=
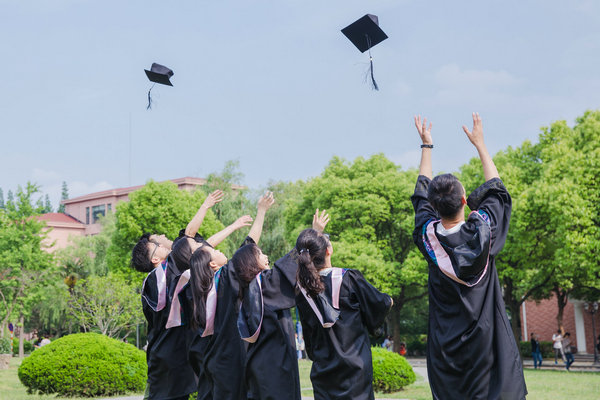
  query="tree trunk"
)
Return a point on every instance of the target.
[
  {"x": 21, "y": 336},
  {"x": 514, "y": 307},
  {"x": 562, "y": 298}
]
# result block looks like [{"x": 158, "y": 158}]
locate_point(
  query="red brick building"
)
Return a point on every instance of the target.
[{"x": 540, "y": 317}]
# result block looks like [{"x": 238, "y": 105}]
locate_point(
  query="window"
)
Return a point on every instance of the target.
[
  {"x": 109, "y": 205},
  {"x": 87, "y": 215},
  {"x": 98, "y": 211}
]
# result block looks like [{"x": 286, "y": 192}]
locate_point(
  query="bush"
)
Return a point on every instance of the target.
[
  {"x": 4, "y": 346},
  {"x": 84, "y": 364},
  {"x": 391, "y": 371},
  {"x": 27, "y": 346},
  {"x": 545, "y": 347}
]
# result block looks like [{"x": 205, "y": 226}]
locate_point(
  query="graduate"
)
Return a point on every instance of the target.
[
  {"x": 471, "y": 350},
  {"x": 210, "y": 304},
  {"x": 265, "y": 321},
  {"x": 338, "y": 309},
  {"x": 170, "y": 375}
]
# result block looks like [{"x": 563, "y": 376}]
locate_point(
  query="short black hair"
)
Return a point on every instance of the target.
[
  {"x": 140, "y": 255},
  {"x": 445, "y": 195}
]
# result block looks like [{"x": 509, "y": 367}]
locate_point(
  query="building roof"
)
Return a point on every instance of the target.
[
  {"x": 188, "y": 180},
  {"x": 61, "y": 220},
  {"x": 58, "y": 217}
]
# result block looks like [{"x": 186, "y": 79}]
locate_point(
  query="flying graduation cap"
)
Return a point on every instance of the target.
[
  {"x": 158, "y": 74},
  {"x": 365, "y": 33}
]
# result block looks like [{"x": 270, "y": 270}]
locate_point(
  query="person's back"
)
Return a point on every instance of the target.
[
  {"x": 471, "y": 351},
  {"x": 338, "y": 309}
]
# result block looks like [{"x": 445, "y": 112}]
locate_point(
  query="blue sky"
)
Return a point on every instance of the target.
[{"x": 275, "y": 85}]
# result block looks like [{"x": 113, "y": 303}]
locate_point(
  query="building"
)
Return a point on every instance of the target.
[
  {"x": 540, "y": 317},
  {"x": 83, "y": 212}
]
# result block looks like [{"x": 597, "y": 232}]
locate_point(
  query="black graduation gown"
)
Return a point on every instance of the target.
[
  {"x": 272, "y": 361},
  {"x": 341, "y": 354},
  {"x": 218, "y": 359},
  {"x": 169, "y": 372},
  {"x": 471, "y": 350}
]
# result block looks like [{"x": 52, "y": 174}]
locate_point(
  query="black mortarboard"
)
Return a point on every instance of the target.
[
  {"x": 365, "y": 33},
  {"x": 158, "y": 74}
]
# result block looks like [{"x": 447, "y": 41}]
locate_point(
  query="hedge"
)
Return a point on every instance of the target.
[
  {"x": 27, "y": 346},
  {"x": 84, "y": 364},
  {"x": 545, "y": 347},
  {"x": 391, "y": 371},
  {"x": 4, "y": 346}
]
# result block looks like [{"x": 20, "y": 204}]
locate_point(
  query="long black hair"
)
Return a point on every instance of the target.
[
  {"x": 312, "y": 247},
  {"x": 245, "y": 263},
  {"x": 201, "y": 280}
]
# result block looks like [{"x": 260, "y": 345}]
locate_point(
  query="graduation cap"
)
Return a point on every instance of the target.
[
  {"x": 365, "y": 33},
  {"x": 158, "y": 74}
]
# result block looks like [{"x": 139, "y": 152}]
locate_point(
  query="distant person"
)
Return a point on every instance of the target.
[
  {"x": 402, "y": 349},
  {"x": 536, "y": 352},
  {"x": 471, "y": 351},
  {"x": 44, "y": 341},
  {"x": 557, "y": 346},
  {"x": 566, "y": 346},
  {"x": 298, "y": 347}
]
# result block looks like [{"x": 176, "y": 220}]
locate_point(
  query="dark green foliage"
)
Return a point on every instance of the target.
[
  {"x": 391, "y": 371},
  {"x": 27, "y": 346},
  {"x": 4, "y": 346},
  {"x": 546, "y": 347},
  {"x": 85, "y": 364}
]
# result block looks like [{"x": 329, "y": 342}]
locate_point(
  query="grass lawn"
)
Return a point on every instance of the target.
[{"x": 542, "y": 385}]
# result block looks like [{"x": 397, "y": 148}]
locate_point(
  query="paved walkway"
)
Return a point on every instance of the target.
[{"x": 419, "y": 366}]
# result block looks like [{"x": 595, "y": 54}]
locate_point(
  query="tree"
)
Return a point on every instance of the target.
[
  {"x": 63, "y": 196},
  {"x": 107, "y": 304},
  {"x": 1, "y": 199},
  {"x": 371, "y": 226},
  {"x": 155, "y": 208},
  {"x": 25, "y": 266},
  {"x": 47, "y": 204}
]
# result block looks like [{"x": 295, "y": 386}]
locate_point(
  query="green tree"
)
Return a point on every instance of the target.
[
  {"x": 107, "y": 304},
  {"x": 47, "y": 204},
  {"x": 155, "y": 208},
  {"x": 25, "y": 265},
  {"x": 1, "y": 199},
  {"x": 371, "y": 224},
  {"x": 63, "y": 196}
]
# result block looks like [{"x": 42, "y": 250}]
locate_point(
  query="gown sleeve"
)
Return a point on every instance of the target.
[
  {"x": 374, "y": 305},
  {"x": 494, "y": 200},
  {"x": 424, "y": 212}
]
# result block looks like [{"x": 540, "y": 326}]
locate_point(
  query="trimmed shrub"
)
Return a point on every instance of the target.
[
  {"x": 4, "y": 346},
  {"x": 27, "y": 346},
  {"x": 545, "y": 347},
  {"x": 84, "y": 364},
  {"x": 391, "y": 371}
]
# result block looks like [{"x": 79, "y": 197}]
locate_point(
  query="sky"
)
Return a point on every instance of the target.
[{"x": 276, "y": 86}]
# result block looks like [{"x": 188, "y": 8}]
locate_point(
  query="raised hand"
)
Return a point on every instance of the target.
[
  {"x": 476, "y": 135},
  {"x": 213, "y": 198},
  {"x": 242, "y": 221},
  {"x": 424, "y": 130},
  {"x": 266, "y": 201},
  {"x": 320, "y": 221}
]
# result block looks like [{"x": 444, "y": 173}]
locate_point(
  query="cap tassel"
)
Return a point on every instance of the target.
[
  {"x": 149, "y": 106},
  {"x": 373, "y": 83}
]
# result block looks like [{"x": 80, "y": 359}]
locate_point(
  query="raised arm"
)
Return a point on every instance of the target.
[
  {"x": 218, "y": 237},
  {"x": 194, "y": 225},
  {"x": 265, "y": 202},
  {"x": 425, "y": 168},
  {"x": 476, "y": 137}
]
